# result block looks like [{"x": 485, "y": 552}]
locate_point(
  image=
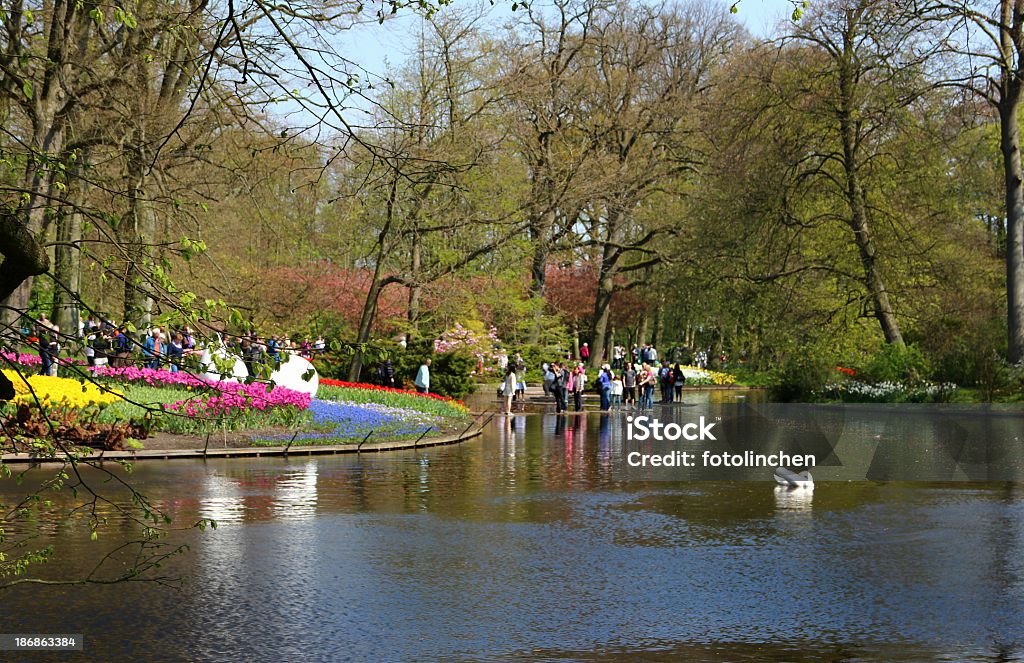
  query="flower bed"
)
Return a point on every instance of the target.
[
  {"x": 227, "y": 397},
  {"x": 63, "y": 392},
  {"x": 25, "y": 359},
  {"x": 855, "y": 391},
  {"x": 340, "y": 421},
  {"x": 233, "y": 398},
  {"x": 699, "y": 376},
  {"x": 361, "y": 392},
  {"x": 184, "y": 403}
]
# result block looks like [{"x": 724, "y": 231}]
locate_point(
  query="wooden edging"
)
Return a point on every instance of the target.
[{"x": 254, "y": 452}]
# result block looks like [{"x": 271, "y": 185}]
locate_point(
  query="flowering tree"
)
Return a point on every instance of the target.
[{"x": 484, "y": 347}]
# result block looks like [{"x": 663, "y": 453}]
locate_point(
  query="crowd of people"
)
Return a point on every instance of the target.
[
  {"x": 630, "y": 381},
  {"x": 631, "y": 387},
  {"x": 160, "y": 347}
]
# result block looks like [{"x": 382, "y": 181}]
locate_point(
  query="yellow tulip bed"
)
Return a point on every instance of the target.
[
  {"x": 48, "y": 410},
  {"x": 60, "y": 392}
]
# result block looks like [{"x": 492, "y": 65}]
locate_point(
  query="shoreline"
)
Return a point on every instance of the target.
[{"x": 253, "y": 452}]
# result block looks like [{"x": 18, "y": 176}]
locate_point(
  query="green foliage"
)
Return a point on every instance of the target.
[
  {"x": 805, "y": 373},
  {"x": 534, "y": 356},
  {"x": 330, "y": 365},
  {"x": 451, "y": 374},
  {"x": 894, "y": 363},
  {"x": 970, "y": 353}
]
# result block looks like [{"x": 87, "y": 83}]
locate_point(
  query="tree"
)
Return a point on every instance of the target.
[
  {"x": 652, "y": 65},
  {"x": 989, "y": 46}
]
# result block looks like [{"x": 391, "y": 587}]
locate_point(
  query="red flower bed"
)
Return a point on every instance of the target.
[
  {"x": 847, "y": 371},
  {"x": 376, "y": 387}
]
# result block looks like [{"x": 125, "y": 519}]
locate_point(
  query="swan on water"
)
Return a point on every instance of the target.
[{"x": 791, "y": 479}]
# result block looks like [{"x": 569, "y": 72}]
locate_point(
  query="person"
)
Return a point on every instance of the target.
[
  {"x": 122, "y": 347},
  {"x": 604, "y": 384},
  {"x": 629, "y": 385},
  {"x": 306, "y": 349},
  {"x": 386, "y": 373},
  {"x": 558, "y": 387},
  {"x": 100, "y": 348},
  {"x": 585, "y": 352},
  {"x": 175, "y": 351},
  {"x": 151, "y": 350},
  {"x": 49, "y": 347},
  {"x": 571, "y": 385},
  {"x": 579, "y": 384},
  {"x": 509, "y": 388},
  {"x": 646, "y": 380},
  {"x": 422, "y": 381},
  {"x": 680, "y": 379},
  {"x": 616, "y": 391},
  {"x": 549, "y": 377},
  {"x": 320, "y": 345},
  {"x": 90, "y": 347},
  {"x": 245, "y": 347},
  {"x": 665, "y": 380}
]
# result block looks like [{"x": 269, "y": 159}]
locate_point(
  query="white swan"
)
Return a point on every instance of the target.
[{"x": 791, "y": 479}]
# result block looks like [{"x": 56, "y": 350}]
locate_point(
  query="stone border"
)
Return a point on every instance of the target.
[{"x": 256, "y": 452}]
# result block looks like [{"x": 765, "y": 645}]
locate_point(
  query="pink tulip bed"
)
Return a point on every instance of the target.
[{"x": 185, "y": 403}]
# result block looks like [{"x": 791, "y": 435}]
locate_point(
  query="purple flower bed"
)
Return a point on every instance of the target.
[{"x": 345, "y": 421}]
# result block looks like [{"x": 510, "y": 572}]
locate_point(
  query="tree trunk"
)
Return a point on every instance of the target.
[
  {"x": 376, "y": 285},
  {"x": 67, "y": 270},
  {"x": 24, "y": 257},
  {"x": 659, "y": 325},
  {"x": 603, "y": 302},
  {"x": 641, "y": 330},
  {"x": 540, "y": 234},
  {"x": 365, "y": 324},
  {"x": 1009, "y": 139},
  {"x": 141, "y": 231},
  {"x": 415, "y": 290},
  {"x": 855, "y": 199}
]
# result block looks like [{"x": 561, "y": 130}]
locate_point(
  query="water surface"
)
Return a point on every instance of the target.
[{"x": 527, "y": 543}]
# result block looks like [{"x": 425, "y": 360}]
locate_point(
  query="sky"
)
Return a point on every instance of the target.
[{"x": 376, "y": 47}]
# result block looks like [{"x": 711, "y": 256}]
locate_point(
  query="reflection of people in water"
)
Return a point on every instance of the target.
[{"x": 510, "y": 424}]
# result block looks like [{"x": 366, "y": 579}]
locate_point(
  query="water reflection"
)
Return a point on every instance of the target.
[{"x": 793, "y": 499}]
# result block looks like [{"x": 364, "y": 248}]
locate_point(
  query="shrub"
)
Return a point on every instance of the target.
[
  {"x": 803, "y": 374},
  {"x": 451, "y": 374},
  {"x": 895, "y": 363}
]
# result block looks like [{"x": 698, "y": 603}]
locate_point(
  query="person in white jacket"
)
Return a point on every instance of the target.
[{"x": 422, "y": 380}]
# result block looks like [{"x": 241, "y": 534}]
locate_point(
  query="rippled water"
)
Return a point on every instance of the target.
[{"x": 527, "y": 544}]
